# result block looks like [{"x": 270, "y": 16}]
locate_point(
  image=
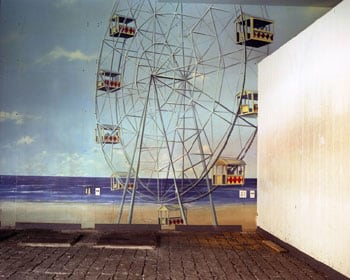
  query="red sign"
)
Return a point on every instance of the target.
[{"x": 234, "y": 179}]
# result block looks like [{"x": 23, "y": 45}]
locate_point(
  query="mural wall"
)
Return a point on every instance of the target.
[{"x": 51, "y": 168}]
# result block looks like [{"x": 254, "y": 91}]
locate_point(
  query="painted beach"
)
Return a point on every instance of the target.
[{"x": 90, "y": 200}]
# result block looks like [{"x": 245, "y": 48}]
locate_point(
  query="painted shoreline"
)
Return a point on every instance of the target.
[
  {"x": 89, "y": 214},
  {"x": 74, "y": 200}
]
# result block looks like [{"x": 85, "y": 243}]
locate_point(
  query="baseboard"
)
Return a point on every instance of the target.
[
  {"x": 128, "y": 227},
  {"x": 50, "y": 226},
  {"x": 208, "y": 228}
]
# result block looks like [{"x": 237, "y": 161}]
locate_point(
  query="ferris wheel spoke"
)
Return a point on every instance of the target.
[
  {"x": 171, "y": 163},
  {"x": 225, "y": 109},
  {"x": 164, "y": 42},
  {"x": 185, "y": 156}
]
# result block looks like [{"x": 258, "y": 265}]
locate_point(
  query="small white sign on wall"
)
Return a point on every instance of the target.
[
  {"x": 242, "y": 194},
  {"x": 252, "y": 194},
  {"x": 97, "y": 191}
]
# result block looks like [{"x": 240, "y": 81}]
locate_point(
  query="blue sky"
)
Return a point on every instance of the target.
[{"x": 48, "y": 61}]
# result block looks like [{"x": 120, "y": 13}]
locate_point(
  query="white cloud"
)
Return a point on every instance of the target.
[
  {"x": 25, "y": 140},
  {"x": 75, "y": 164},
  {"x": 15, "y": 116},
  {"x": 12, "y": 116},
  {"x": 63, "y": 3},
  {"x": 48, "y": 163},
  {"x": 60, "y": 53}
]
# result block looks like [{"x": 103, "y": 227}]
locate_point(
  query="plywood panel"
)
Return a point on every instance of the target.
[{"x": 304, "y": 141}]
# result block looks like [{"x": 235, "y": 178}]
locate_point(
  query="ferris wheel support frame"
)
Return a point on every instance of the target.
[{"x": 196, "y": 162}]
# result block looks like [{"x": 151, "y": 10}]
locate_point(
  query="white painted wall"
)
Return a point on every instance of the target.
[{"x": 304, "y": 141}]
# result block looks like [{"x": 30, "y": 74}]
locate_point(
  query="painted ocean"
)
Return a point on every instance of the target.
[{"x": 97, "y": 190}]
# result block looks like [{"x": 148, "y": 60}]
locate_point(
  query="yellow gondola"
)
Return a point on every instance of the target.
[
  {"x": 121, "y": 26},
  {"x": 228, "y": 171},
  {"x": 249, "y": 103},
  {"x": 253, "y": 31}
]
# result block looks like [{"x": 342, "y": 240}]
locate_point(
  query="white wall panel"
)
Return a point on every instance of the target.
[{"x": 304, "y": 141}]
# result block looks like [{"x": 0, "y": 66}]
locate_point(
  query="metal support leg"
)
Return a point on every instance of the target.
[{"x": 212, "y": 206}]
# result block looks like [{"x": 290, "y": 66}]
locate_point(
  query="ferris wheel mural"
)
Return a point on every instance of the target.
[{"x": 172, "y": 91}]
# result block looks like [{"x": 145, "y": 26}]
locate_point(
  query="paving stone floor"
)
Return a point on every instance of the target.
[{"x": 176, "y": 255}]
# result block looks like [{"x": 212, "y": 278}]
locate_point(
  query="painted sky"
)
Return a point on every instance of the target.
[{"x": 48, "y": 61}]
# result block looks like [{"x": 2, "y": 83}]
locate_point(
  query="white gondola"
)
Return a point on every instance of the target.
[
  {"x": 118, "y": 181},
  {"x": 108, "y": 81},
  {"x": 107, "y": 134},
  {"x": 169, "y": 215}
]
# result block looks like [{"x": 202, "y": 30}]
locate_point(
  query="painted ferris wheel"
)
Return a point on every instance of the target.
[{"x": 176, "y": 98}]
